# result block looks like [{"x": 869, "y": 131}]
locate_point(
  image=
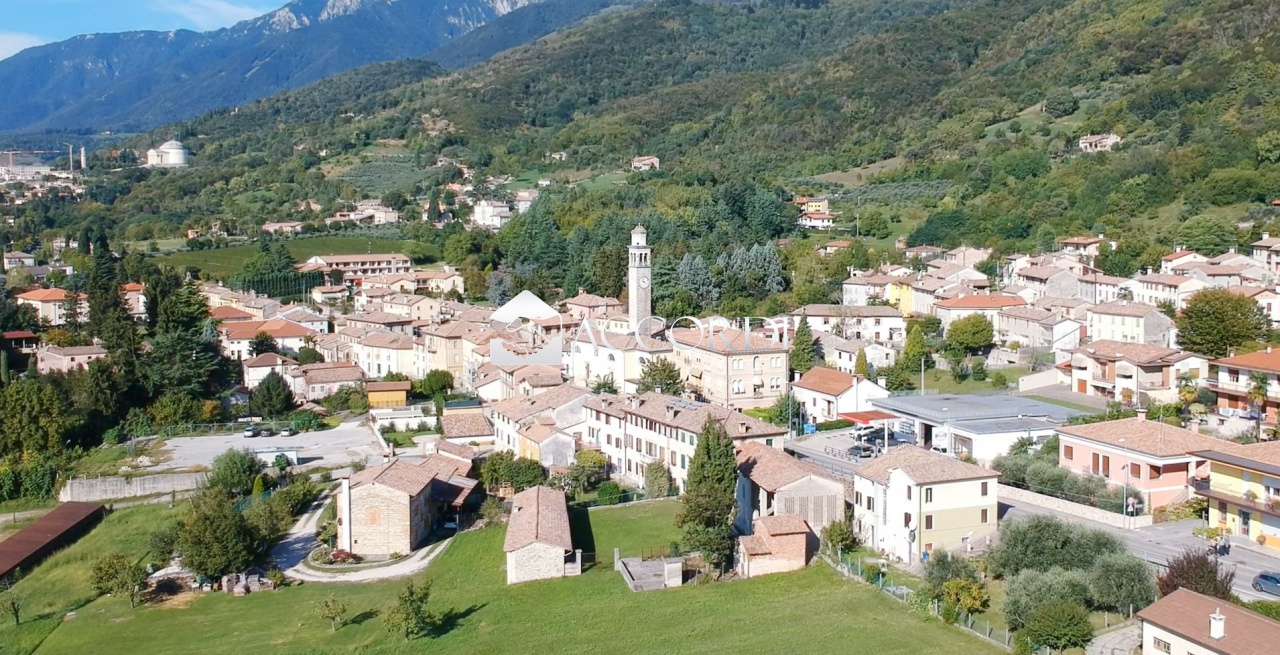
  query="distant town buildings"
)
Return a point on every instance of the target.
[{"x": 1099, "y": 142}]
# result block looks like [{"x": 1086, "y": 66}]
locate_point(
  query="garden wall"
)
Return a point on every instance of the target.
[
  {"x": 117, "y": 487},
  {"x": 1058, "y": 505}
]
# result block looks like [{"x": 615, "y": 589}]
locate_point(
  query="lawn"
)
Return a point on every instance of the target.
[
  {"x": 811, "y": 611},
  {"x": 941, "y": 381},
  {"x": 61, "y": 584},
  {"x": 224, "y": 261},
  {"x": 1062, "y": 403}
]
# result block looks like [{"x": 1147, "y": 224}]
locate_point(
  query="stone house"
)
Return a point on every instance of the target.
[
  {"x": 777, "y": 544},
  {"x": 538, "y": 543},
  {"x": 393, "y": 508}
]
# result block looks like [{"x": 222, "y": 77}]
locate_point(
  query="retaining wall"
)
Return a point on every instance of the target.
[
  {"x": 116, "y": 487},
  {"x": 1058, "y": 505}
]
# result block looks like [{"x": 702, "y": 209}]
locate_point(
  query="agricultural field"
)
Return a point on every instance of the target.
[
  {"x": 224, "y": 261},
  {"x": 859, "y": 176},
  {"x": 384, "y": 175},
  {"x": 592, "y": 613}
]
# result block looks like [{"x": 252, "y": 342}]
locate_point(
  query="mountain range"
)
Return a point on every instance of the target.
[{"x": 133, "y": 81}]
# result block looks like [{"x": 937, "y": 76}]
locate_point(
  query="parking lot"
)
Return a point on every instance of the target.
[
  {"x": 349, "y": 442},
  {"x": 841, "y": 450}
]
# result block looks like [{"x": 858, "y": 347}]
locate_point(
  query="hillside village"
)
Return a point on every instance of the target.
[{"x": 958, "y": 322}]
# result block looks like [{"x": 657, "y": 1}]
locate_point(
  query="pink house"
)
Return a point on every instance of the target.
[{"x": 1150, "y": 456}]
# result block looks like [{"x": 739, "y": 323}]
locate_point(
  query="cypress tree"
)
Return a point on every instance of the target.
[
  {"x": 708, "y": 505},
  {"x": 803, "y": 351}
]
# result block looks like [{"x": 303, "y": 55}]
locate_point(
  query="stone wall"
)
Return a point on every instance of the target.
[
  {"x": 535, "y": 562},
  {"x": 118, "y": 487},
  {"x": 380, "y": 520},
  {"x": 1060, "y": 506}
]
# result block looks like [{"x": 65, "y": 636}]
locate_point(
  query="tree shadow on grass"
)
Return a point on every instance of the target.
[
  {"x": 362, "y": 617},
  {"x": 583, "y": 537},
  {"x": 446, "y": 622}
]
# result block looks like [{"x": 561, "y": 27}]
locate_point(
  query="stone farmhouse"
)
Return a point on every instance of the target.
[{"x": 538, "y": 543}]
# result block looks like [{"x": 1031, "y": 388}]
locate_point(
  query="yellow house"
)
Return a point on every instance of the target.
[
  {"x": 1243, "y": 490},
  {"x": 899, "y": 293},
  {"x": 388, "y": 394}
]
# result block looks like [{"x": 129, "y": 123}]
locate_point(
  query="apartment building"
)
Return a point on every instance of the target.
[
  {"x": 358, "y": 267},
  {"x": 635, "y": 431},
  {"x": 561, "y": 408},
  {"x": 877, "y": 323},
  {"x": 989, "y": 306},
  {"x": 1158, "y": 288},
  {"x": 826, "y": 393},
  {"x": 731, "y": 368},
  {"x": 51, "y": 305},
  {"x": 1132, "y": 372},
  {"x": 1130, "y": 322},
  {"x": 1232, "y": 378}
]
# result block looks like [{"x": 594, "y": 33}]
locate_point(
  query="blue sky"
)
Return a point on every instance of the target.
[{"x": 25, "y": 23}]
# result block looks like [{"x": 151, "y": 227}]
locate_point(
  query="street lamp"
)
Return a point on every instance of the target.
[{"x": 1124, "y": 498}]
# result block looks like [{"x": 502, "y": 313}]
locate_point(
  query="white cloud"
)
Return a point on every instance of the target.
[
  {"x": 11, "y": 43},
  {"x": 212, "y": 14}
]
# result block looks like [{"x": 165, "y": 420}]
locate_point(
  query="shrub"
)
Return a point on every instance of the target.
[
  {"x": 998, "y": 380},
  {"x": 968, "y": 596},
  {"x": 949, "y": 614},
  {"x": 609, "y": 493},
  {"x": 839, "y": 534},
  {"x": 277, "y": 578},
  {"x": 1197, "y": 571},
  {"x": 1043, "y": 542},
  {"x": 978, "y": 372},
  {"x": 1060, "y": 625},
  {"x": 943, "y": 567},
  {"x": 492, "y": 511},
  {"x": 838, "y": 424},
  {"x": 1120, "y": 581},
  {"x": 1031, "y": 589}
]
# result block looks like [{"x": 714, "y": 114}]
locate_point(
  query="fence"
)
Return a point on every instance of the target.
[
  {"x": 1071, "y": 508},
  {"x": 207, "y": 429},
  {"x": 894, "y": 583}
]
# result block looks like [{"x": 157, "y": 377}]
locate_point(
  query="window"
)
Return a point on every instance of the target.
[
  {"x": 928, "y": 495},
  {"x": 871, "y": 504},
  {"x": 1156, "y": 472},
  {"x": 857, "y": 498},
  {"x": 1161, "y": 645},
  {"x": 928, "y": 521},
  {"x": 684, "y": 463},
  {"x": 984, "y": 516},
  {"x": 1135, "y": 470},
  {"x": 768, "y": 442},
  {"x": 906, "y": 519},
  {"x": 908, "y": 493},
  {"x": 1068, "y": 452},
  {"x": 985, "y": 486}
]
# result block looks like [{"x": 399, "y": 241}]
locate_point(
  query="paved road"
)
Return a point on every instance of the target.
[
  {"x": 349, "y": 442},
  {"x": 1159, "y": 542}
]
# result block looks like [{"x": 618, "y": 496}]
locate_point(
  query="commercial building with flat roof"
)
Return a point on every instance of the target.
[{"x": 983, "y": 427}]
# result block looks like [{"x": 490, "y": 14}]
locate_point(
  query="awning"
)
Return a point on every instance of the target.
[
  {"x": 695, "y": 373},
  {"x": 867, "y": 418}
]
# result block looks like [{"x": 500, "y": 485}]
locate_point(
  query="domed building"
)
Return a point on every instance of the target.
[{"x": 170, "y": 155}]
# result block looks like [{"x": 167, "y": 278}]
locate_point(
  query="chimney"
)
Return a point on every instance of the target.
[
  {"x": 581, "y": 290},
  {"x": 1268, "y": 350},
  {"x": 1266, "y": 235},
  {"x": 1217, "y": 625},
  {"x": 883, "y": 382},
  {"x": 1231, "y": 250},
  {"x": 671, "y": 412},
  {"x": 1142, "y": 414}
]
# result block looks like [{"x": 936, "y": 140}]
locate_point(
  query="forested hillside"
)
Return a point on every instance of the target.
[{"x": 965, "y": 113}]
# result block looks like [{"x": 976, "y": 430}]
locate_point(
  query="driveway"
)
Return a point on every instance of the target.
[
  {"x": 291, "y": 552},
  {"x": 1116, "y": 642},
  {"x": 347, "y": 443},
  {"x": 1159, "y": 542}
]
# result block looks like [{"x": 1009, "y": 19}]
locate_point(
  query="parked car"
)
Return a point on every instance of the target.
[
  {"x": 1267, "y": 582},
  {"x": 265, "y": 432},
  {"x": 940, "y": 449},
  {"x": 863, "y": 450},
  {"x": 250, "y": 432},
  {"x": 286, "y": 432}
]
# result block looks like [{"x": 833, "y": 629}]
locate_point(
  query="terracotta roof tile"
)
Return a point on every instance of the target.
[
  {"x": 779, "y": 525},
  {"x": 538, "y": 516},
  {"x": 771, "y": 469},
  {"x": 1186, "y": 614},
  {"x": 1153, "y": 438},
  {"x": 982, "y": 301},
  {"x": 922, "y": 466},
  {"x": 826, "y": 381},
  {"x": 459, "y": 426}
]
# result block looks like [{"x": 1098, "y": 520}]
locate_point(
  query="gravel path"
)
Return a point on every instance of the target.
[{"x": 292, "y": 550}]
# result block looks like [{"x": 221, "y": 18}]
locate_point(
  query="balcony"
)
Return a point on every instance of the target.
[{"x": 1267, "y": 504}]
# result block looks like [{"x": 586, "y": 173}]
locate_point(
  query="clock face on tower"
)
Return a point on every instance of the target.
[{"x": 644, "y": 282}]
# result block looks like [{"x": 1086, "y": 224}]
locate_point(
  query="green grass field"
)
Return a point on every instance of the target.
[
  {"x": 225, "y": 261},
  {"x": 813, "y": 611},
  {"x": 61, "y": 584},
  {"x": 941, "y": 381}
]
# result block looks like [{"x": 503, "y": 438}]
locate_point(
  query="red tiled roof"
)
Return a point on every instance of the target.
[
  {"x": 982, "y": 301},
  {"x": 538, "y": 516},
  {"x": 826, "y": 381}
]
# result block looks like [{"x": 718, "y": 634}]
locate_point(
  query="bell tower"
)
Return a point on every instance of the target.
[{"x": 639, "y": 278}]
